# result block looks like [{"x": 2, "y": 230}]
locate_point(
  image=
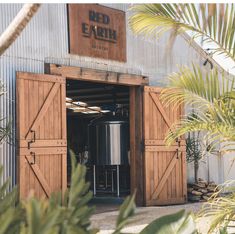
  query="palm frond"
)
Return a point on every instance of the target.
[
  {"x": 5, "y": 131},
  {"x": 2, "y": 88},
  {"x": 215, "y": 131},
  {"x": 192, "y": 86},
  {"x": 220, "y": 209},
  {"x": 211, "y": 94},
  {"x": 213, "y": 22}
]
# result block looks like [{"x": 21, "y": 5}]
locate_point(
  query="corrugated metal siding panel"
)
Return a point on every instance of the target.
[
  {"x": 58, "y": 30},
  {"x": 34, "y": 40},
  {"x": 8, "y": 68}
]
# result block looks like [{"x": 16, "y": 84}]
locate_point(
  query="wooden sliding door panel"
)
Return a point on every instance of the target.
[
  {"x": 41, "y": 125},
  {"x": 164, "y": 167}
]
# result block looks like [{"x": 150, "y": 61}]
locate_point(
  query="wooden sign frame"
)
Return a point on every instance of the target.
[{"x": 97, "y": 31}]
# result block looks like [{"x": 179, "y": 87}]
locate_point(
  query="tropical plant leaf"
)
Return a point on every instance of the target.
[
  {"x": 40, "y": 217},
  {"x": 10, "y": 216},
  {"x": 5, "y": 131},
  {"x": 126, "y": 210},
  {"x": 193, "y": 87},
  {"x": 177, "y": 223},
  {"x": 210, "y": 94},
  {"x": 220, "y": 210},
  {"x": 215, "y": 131},
  {"x": 193, "y": 149},
  {"x": 213, "y": 22},
  {"x": 2, "y": 89}
]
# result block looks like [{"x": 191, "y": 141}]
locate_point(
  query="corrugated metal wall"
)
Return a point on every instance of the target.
[{"x": 46, "y": 40}]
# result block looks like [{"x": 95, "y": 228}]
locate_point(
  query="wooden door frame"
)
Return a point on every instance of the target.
[
  {"x": 95, "y": 75},
  {"x": 136, "y": 143},
  {"x": 135, "y": 84}
]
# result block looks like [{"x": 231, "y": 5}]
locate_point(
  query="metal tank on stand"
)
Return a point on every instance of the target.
[{"x": 108, "y": 143}]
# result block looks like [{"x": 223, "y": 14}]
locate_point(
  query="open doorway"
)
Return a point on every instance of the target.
[{"x": 98, "y": 132}]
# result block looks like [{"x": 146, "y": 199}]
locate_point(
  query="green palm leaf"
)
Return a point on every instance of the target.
[
  {"x": 2, "y": 91},
  {"x": 215, "y": 131},
  {"x": 4, "y": 130},
  {"x": 214, "y": 22},
  {"x": 177, "y": 223},
  {"x": 195, "y": 87},
  {"x": 211, "y": 94},
  {"x": 220, "y": 209}
]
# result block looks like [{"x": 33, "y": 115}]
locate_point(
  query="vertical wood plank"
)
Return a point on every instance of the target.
[
  {"x": 63, "y": 111},
  {"x": 132, "y": 140},
  {"x": 63, "y": 136},
  {"x": 155, "y": 171},
  {"x": 184, "y": 175},
  {"x": 64, "y": 173},
  {"x": 20, "y": 104},
  {"x": 147, "y": 175},
  {"x": 169, "y": 180},
  {"x": 146, "y": 115},
  {"x": 137, "y": 161}
]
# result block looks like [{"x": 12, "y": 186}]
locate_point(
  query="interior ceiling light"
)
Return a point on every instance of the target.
[
  {"x": 105, "y": 111},
  {"x": 80, "y": 103},
  {"x": 68, "y": 99},
  {"x": 78, "y": 108},
  {"x": 69, "y": 105},
  {"x": 94, "y": 108},
  {"x": 90, "y": 112}
]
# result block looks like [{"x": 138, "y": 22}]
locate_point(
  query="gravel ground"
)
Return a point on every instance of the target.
[{"x": 105, "y": 220}]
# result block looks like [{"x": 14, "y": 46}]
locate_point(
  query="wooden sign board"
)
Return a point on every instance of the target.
[{"x": 97, "y": 31}]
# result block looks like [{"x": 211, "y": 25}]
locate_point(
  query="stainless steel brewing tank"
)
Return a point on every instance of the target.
[{"x": 109, "y": 140}]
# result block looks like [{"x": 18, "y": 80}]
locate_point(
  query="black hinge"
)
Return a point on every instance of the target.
[
  {"x": 33, "y": 140},
  {"x": 34, "y": 158},
  {"x": 178, "y": 141}
]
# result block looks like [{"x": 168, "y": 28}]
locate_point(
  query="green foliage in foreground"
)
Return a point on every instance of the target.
[
  {"x": 4, "y": 129},
  {"x": 221, "y": 210},
  {"x": 51, "y": 216},
  {"x": 72, "y": 216},
  {"x": 177, "y": 223}
]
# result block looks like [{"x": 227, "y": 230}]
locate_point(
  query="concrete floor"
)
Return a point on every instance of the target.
[{"x": 106, "y": 216}]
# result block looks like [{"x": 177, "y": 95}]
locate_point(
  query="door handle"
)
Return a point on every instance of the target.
[
  {"x": 34, "y": 138},
  {"x": 178, "y": 149}
]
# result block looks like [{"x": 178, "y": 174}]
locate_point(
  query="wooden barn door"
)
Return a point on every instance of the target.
[
  {"x": 164, "y": 167},
  {"x": 41, "y": 125}
]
